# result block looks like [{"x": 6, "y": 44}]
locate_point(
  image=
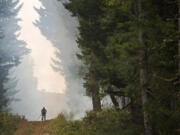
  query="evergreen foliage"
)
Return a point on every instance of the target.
[
  {"x": 11, "y": 49},
  {"x": 131, "y": 50}
]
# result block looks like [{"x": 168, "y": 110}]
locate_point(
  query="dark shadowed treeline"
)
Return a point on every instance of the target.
[{"x": 130, "y": 52}]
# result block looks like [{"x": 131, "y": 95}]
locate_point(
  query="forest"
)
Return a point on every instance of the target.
[{"x": 130, "y": 51}]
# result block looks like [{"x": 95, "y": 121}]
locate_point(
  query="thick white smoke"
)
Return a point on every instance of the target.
[{"x": 48, "y": 75}]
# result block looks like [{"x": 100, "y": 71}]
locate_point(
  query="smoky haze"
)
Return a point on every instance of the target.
[{"x": 48, "y": 75}]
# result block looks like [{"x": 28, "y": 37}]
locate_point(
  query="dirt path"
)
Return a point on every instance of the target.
[{"x": 31, "y": 128}]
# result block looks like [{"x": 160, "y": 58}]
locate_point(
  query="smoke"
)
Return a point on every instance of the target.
[{"x": 48, "y": 76}]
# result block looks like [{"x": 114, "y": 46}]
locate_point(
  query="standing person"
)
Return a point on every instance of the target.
[{"x": 43, "y": 113}]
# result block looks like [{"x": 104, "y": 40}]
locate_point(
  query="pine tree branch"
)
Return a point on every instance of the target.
[
  {"x": 166, "y": 79},
  {"x": 124, "y": 107}
]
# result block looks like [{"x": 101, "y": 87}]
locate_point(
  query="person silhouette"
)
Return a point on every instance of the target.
[{"x": 43, "y": 114}]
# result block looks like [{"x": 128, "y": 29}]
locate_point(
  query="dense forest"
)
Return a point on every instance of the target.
[{"x": 130, "y": 51}]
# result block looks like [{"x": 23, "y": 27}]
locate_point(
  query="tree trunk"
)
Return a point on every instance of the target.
[
  {"x": 96, "y": 98},
  {"x": 144, "y": 98},
  {"x": 96, "y": 101},
  {"x": 179, "y": 37},
  {"x": 114, "y": 101},
  {"x": 136, "y": 112},
  {"x": 143, "y": 75},
  {"x": 123, "y": 100}
]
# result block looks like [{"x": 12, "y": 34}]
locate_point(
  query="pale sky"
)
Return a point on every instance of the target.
[{"x": 42, "y": 51}]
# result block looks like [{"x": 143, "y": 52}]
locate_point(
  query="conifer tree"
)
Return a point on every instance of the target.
[
  {"x": 135, "y": 58},
  {"x": 11, "y": 49}
]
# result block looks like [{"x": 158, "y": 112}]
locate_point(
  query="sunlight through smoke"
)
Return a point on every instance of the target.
[
  {"x": 42, "y": 51},
  {"x": 48, "y": 75}
]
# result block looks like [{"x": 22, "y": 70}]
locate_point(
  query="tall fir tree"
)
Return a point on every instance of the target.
[{"x": 11, "y": 49}]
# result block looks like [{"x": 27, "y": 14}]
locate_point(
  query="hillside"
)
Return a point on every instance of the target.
[{"x": 106, "y": 122}]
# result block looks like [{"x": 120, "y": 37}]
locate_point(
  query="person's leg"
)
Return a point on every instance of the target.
[{"x": 42, "y": 117}]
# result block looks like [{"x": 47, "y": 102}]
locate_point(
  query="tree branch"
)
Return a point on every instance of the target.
[
  {"x": 117, "y": 93},
  {"x": 166, "y": 79},
  {"x": 126, "y": 106}
]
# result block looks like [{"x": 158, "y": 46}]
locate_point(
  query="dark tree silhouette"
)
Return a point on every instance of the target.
[{"x": 11, "y": 49}]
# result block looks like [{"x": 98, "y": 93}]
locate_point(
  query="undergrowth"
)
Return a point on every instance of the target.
[
  {"x": 106, "y": 122},
  {"x": 8, "y": 123}
]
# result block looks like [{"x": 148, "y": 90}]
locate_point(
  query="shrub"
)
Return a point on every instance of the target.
[
  {"x": 106, "y": 122},
  {"x": 8, "y": 123}
]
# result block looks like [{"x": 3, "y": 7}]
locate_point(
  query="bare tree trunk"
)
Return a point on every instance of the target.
[
  {"x": 143, "y": 75},
  {"x": 123, "y": 100},
  {"x": 136, "y": 112},
  {"x": 179, "y": 37},
  {"x": 96, "y": 101},
  {"x": 114, "y": 101},
  {"x": 144, "y": 98},
  {"x": 96, "y": 98}
]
